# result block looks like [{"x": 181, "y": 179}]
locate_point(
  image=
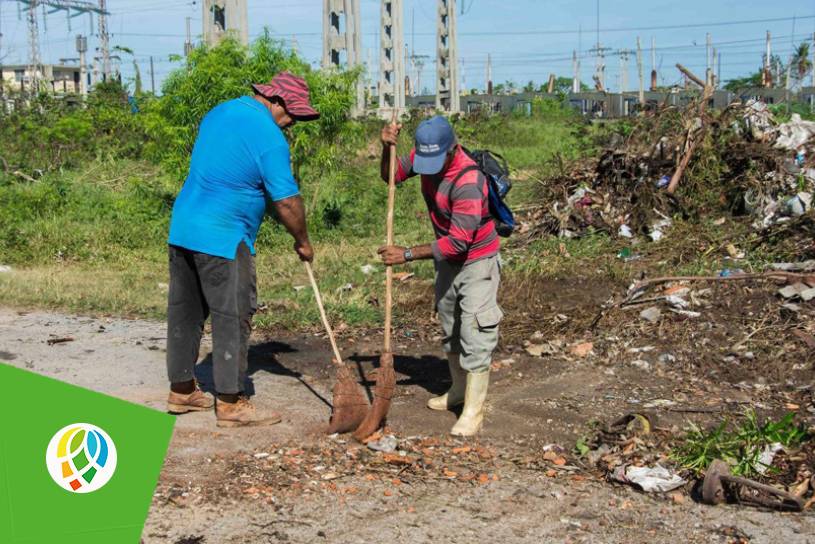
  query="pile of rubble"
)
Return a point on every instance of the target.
[{"x": 739, "y": 160}]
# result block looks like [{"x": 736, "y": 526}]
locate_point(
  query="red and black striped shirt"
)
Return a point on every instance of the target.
[{"x": 459, "y": 210}]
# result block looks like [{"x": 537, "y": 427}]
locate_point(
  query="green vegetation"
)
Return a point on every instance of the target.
[
  {"x": 86, "y": 192},
  {"x": 738, "y": 445}
]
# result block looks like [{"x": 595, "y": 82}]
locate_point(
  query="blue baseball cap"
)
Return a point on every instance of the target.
[{"x": 434, "y": 138}]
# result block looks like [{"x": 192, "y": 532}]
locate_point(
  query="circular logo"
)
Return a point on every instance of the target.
[{"x": 81, "y": 458}]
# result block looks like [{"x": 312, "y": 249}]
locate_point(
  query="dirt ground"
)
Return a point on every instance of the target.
[{"x": 291, "y": 483}]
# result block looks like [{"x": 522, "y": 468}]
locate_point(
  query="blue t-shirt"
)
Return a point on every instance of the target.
[{"x": 240, "y": 156}]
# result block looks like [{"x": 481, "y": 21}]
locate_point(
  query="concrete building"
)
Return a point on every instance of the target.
[
  {"x": 222, "y": 17},
  {"x": 56, "y": 78}
]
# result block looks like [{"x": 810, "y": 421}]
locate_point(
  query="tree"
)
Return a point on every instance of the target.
[
  {"x": 137, "y": 78},
  {"x": 800, "y": 62},
  {"x": 563, "y": 85},
  {"x": 741, "y": 83}
]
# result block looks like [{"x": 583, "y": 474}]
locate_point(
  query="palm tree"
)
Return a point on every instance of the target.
[{"x": 801, "y": 62}]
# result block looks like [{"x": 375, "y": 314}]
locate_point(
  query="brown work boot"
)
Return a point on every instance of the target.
[
  {"x": 197, "y": 401},
  {"x": 242, "y": 414}
]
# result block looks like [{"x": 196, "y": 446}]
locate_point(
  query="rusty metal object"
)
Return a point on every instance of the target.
[{"x": 718, "y": 476}]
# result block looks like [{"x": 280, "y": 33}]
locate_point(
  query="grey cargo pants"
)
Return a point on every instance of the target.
[
  {"x": 201, "y": 285},
  {"x": 466, "y": 301}
]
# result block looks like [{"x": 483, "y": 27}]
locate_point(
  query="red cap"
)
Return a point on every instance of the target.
[{"x": 293, "y": 91}]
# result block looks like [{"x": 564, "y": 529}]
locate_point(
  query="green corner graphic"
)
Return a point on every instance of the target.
[{"x": 102, "y": 442}]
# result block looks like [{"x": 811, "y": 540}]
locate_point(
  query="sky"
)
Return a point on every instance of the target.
[{"x": 527, "y": 39}]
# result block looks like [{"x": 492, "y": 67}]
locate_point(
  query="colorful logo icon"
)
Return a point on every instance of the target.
[{"x": 81, "y": 458}]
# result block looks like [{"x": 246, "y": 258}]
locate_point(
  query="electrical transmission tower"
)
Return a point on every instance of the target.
[
  {"x": 342, "y": 32},
  {"x": 391, "y": 60},
  {"x": 447, "y": 94},
  {"x": 72, "y": 8}
]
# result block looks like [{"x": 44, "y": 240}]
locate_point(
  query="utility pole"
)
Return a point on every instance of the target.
[
  {"x": 767, "y": 78},
  {"x": 489, "y": 74},
  {"x": 33, "y": 47},
  {"x": 188, "y": 43},
  {"x": 152, "y": 76},
  {"x": 714, "y": 77},
  {"x": 576, "y": 72},
  {"x": 623, "y": 70},
  {"x": 639, "y": 69},
  {"x": 104, "y": 40},
  {"x": 447, "y": 94},
  {"x": 391, "y": 68},
  {"x": 653, "y": 64},
  {"x": 78, "y": 6},
  {"x": 82, "y": 48},
  {"x": 708, "y": 59},
  {"x": 719, "y": 68}
]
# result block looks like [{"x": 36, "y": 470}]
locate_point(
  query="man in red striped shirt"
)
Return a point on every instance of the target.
[{"x": 465, "y": 254}]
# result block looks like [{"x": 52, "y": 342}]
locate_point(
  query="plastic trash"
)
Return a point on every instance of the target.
[
  {"x": 765, "y": 458},
  {"x": 663, "y": 182},
  {"x": 800, "y": 157},
  {"x": 799, "y": 204},
  {"x": 651, "y": 314},
  {"x": 386, "y": 444},
  {"x": 795, "y": 133},
  {"x": 657, "y": 479},
  {"x": 727, "y": 272},
  {"x": 625, "y": 231}
]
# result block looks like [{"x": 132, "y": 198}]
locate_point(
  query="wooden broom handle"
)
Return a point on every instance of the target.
[
  {"x": 389, "y": 228},
  {"x": 322, "y": 312}
]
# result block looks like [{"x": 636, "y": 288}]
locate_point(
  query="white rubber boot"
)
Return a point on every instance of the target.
[
  {"x": 454, "y": 395},
  {"x": 473, "y": 414}
]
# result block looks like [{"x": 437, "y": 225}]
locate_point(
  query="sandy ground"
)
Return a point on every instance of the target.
[{"x": 211, "y": 491}]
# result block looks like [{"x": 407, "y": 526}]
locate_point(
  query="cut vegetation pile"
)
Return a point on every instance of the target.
[{"x": 739, "y": 161}]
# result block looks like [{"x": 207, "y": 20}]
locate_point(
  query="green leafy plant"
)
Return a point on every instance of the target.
[{"x": 739, "y": 446}]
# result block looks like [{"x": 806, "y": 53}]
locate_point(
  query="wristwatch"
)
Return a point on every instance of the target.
[{"x": 408, "y": 254}]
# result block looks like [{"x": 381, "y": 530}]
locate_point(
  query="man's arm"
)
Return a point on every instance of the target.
[
  {"x": 392, "y": 255},
  {"x": 467, "y": 203},
  {"x": 279, "y": 183},
  {"x": 292, "y": 213}
]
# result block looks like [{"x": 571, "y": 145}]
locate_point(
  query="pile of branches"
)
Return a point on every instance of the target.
[{"x": 673, "y": 161}]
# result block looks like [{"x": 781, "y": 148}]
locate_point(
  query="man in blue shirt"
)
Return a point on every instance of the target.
[{"x": 240, "y": 158}]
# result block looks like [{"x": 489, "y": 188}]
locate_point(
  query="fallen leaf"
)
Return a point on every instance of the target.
[
  {"x": 396, "y": 481},
  {"x": 551, "y": 473},
  {"x": 483, "y": 478},
  {"x": 388, "y": 492},
  {"x": 791, "y": 406},
  {"x": 560, "y": 461},
  {"x": 678, "y": 498},
  {"x": 550, "y": 455},
  {"x": 396, "y": 459},
  {"x": 462, "y": 449},
  {"x": 403, "y": 276},
  {"x": 450, "y": 473},
  {"x": 376, "y": 436}
]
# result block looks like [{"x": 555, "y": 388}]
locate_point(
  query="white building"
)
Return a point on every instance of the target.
[{"x": 55, "y": 78}]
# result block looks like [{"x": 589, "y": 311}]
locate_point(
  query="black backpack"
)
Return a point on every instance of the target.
[{"x": 496, "y": 171}]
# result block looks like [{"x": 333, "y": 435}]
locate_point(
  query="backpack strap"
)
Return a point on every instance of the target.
[{"x": 464, "y": 170}]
